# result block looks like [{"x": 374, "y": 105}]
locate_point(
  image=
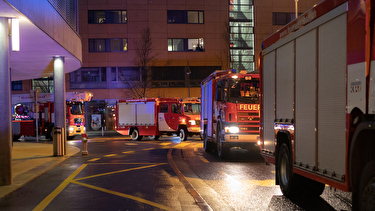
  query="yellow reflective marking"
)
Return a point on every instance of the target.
[
  {"x": 165, "y": 143},
  {"x": 265, "y": 183},
  {"x": 199, "y": 145},
  {"x": 131, "y": 144},
  {"x": 127, "y": 152},
  {"x": 124, "y": 170},
  {"x": 110, "y": 155},
  {"x": 124, "y": 195},
  {"x": 204, "y": 159},
  {"x": 148, "y": 149},
  {"x": 58, "y": 190},
  {"x": 94, "y": 159},
  {"x": 181, "y": 145}
]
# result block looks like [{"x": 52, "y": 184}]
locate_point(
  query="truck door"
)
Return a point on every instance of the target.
[{"x": 163, "y": 117}]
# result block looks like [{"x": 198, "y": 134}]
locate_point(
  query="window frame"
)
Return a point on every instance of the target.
[
  {"x": 107, "y": 19},
  {"x": 183, "y": 17}
]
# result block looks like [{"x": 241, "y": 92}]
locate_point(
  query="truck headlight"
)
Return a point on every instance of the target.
[
  {"x": 71, "y": 129},
  {"x": 192, "y": 122},
  {"x": 232, "y": 129}
]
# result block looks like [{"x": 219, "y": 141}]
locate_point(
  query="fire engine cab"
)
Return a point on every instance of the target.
[
  {"x": 230, "y": 111},
  {"x": 152, "y": 117},
  {"x": 25, "y": 113}
]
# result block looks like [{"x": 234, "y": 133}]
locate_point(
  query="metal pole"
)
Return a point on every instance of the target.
[{"x": 296, "y": 2}]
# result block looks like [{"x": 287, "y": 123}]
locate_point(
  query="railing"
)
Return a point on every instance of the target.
[{"x": 68, "y": 9}]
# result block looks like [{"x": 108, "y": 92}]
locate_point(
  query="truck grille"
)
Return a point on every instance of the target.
[{"x": 248, "y": 122}]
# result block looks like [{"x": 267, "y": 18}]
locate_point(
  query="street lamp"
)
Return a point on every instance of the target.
[{"x": 296, "y": 3}]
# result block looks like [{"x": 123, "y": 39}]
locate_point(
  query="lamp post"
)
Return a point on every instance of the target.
[
  {"x": 188, "y": 72},
  {"x": 296, "y": 3}
]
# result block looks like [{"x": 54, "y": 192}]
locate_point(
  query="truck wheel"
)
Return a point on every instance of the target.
[
  {"x": 288, "y": 180},
  {"x": 153, "y": 137},
  {"x": 222, "y": 150},
  {"x": 366, "y": 192},
  {"x": 135, "y": 135},
  {"x": 183, "y": 134}
]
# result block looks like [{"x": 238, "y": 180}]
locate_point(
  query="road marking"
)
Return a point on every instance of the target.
[
  {"x": 42, "y": 205},
  {"x": 94, "y": 159},
  {"x": 165, "y": 143},
  {"x": 180, "y": 146},
  {"x": 200, "y": 145},
  {"x": 110, "y": 155},
  {"x": 148, "y": 149},
  {"x": 264, "y": 183},
  {"x": 124, "y": 195},
  {"x": 131, "y": 144},
  {"x": 120, "y": 171},
  {"x": 128, "y": 152},
  {"x": 204, "y": 159}
]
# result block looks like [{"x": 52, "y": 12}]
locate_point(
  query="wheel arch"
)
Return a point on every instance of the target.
[{"x": 362, "y": 150}]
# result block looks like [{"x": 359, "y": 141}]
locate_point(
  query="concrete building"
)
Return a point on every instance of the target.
[
  {"x": 190, "y": 39},
  {"x": 38, "y": 38}
]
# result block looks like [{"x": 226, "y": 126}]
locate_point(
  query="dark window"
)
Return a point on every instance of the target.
[
  {"x": 168, "y": 73},
  {"x": 16, "y": 85},
  {"x": 128, "y": 74},
  {"x": 108, "y": 45},
  {"x": 283, "y": 18},
  {"x": 186, "y": 44},
  {"x": 93, "y": 74},
  {"x": 183, "y": 16},
  {"x": 107, "y": 16},
  {"x": 163, "y": 108}
]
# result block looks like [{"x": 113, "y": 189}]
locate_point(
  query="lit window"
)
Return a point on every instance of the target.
[{"x": 107, "y": 16}]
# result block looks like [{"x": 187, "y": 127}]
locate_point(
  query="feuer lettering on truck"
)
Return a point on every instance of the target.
[{"x": 248, "y": 107}]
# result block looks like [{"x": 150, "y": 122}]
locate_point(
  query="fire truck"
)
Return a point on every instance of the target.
[
  {"x": 192, "y": 109},
  {"x": 152, "y": 117},
  {"x": 25, "y": 113},
  {"x": 318, "y": 101},
  {"x": 230, "y": 111}
]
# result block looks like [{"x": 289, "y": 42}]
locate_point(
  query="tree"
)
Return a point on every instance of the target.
[
  {"x": 144, "y": 57},
  {"x": 224, "y": 57}
]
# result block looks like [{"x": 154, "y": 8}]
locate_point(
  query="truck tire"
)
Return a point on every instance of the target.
[
  {"x": 183, "y": 134},
  {"x": 366, "y": 191},
  {"x": 222, "y": 150},
  {"x": 288, "y": 181},
  {"x": 135, "y": 135}
]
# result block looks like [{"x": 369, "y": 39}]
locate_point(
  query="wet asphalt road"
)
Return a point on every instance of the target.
[{"x": 120, "y": 174}]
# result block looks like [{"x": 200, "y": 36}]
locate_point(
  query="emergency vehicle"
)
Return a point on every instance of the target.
[
  {"x": 151, "y": 117},
  {"x": 318, "y": 101},
  {"x": 192, "y": 109},
  {"x": 25, "y": 114},
  {"x": 230, "y": 111}
]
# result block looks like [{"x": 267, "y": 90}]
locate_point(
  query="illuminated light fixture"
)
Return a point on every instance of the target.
[
  {"x": 58, "y": 62},
  {"x": 235, "y": 76},
  {"x": 15, "y": 34},
  {"x": 232, "y": 129}
]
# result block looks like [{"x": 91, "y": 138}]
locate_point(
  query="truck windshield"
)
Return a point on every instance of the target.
[
  {"x": 76, "y": 108},
  {"x": 192, "y": 108},
  {"x": 244, "y": 91}
]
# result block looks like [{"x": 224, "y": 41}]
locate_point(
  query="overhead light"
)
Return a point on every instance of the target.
[{"x": 15, "y": 35}]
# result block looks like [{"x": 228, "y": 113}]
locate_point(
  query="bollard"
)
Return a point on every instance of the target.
[
  {"x": 84, "y": 144},
  {"x": 58, "y": 141}
]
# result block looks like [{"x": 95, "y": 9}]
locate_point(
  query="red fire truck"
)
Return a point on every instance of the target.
[
  {"x": 317, "y": 106},
  {"x": 230, "y": 111},
  {"x": 25, "y": 114},
  {"x": 192, "y": 109},
  {"x": 152, "y": 117}
]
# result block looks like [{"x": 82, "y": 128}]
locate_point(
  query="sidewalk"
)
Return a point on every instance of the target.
[{"x": 31, "y": 159}]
